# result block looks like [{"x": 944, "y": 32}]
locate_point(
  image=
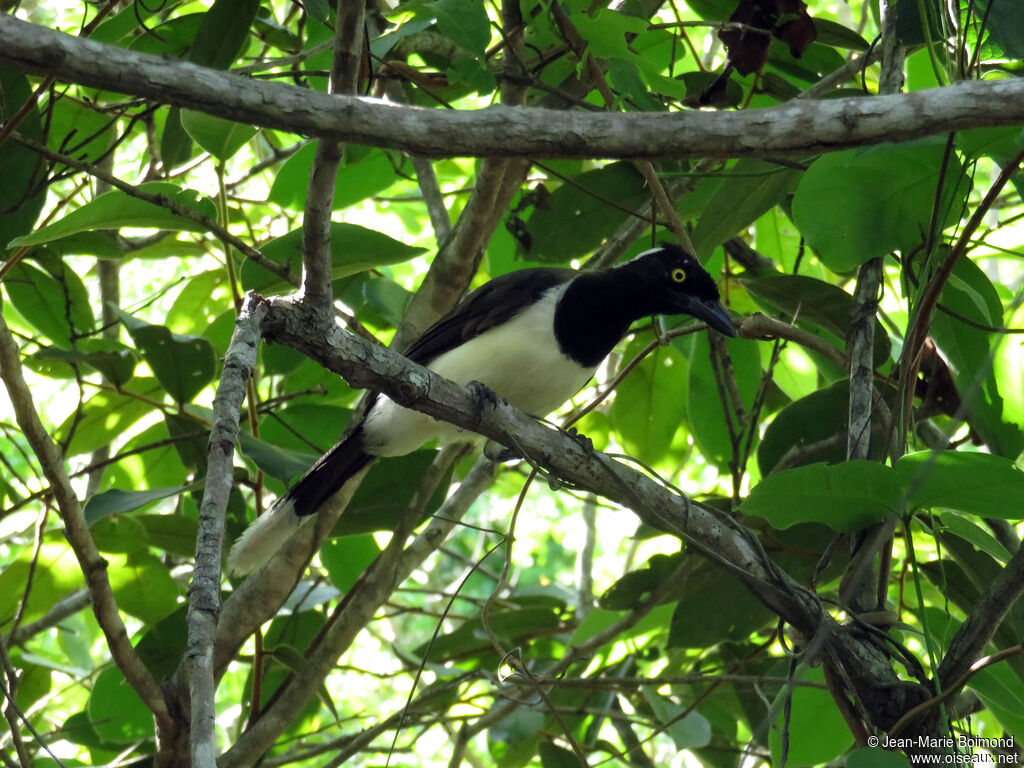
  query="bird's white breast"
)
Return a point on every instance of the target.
[{"x": 519, "y": 360}]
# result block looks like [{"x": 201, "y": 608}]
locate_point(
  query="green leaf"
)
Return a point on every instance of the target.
[
  {"x": 1008, "y": 371},
  {"x": 361, "y": 175},
  {"x": 282, "y": 463},
  {"x": 221, "y": 138},
  {"x": 386, "y": 493},
  {"x": 554, "y": 756},
  {"x": 143, "y": 586},
  {"x": 687, "y": 732},
  {"x": 858, "y": 205},
  {"x": 974, "y": 534},
  {"x": 79, "y": 130},
  {"x": 118, "y": 502},
  {"x": 55, "y": 302},
  {"x": 113, "y": 360},
  {"x": 1003, "y": 695},
  {"x": 650, "y": 403},
  {"x": 833, "y": 34},
  {"x": 223, "y": 32},
  {"x": 1004, "y": 25},
  {"x": 184, "y": 365},
  {"x": 174, "y": 534},
  {"x": 56, "y": 575},
  {"x": 175, "y": 143},
  {"x": 845, "y": 497},
  {"x": 814, "y": 428},
  {"x": 817, "y": 731},
  {"x": 465, "y": 23},
  {"x": 634, "y": 587},
  {"x": 21, "y": 195},
  {"x": 747, "y": 190},
  {"x": 116, "y": 209},
  {"x": 576, "y": 218},
  {"x": 971, "y": 294},
  {"x": 511, "y": 625},
  {"x": 107, "y": 416},
  {"x": 116, "y": 711},
  {"x": 122, "y": 535},
  {"x": 346, "y": 558},
  {"x": 729, "y": 611},
  {"x": 978, "y": 483},
  {"x": 163, "y": 646},
  {"x": 353, "y": 249}
]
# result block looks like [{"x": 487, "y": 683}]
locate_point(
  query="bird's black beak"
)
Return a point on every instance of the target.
[{"x": 714, "y": 314}]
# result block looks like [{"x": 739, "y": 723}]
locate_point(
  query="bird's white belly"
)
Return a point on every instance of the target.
[{"x": 517, "y": 360}]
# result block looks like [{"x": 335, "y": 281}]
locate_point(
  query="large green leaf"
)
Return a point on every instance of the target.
[
  {"x": 56, "y": 301},
  {"x": 282, "y": 463},
  {"x": 79, "y": 130},
  {"x": 978, "y": 483},
  {"x": 747, "y": 190},
  {"x": 574, "y": 219},
  {"x": 143, "y": 586},
  {"x": 687, "y": 728},
  {"x": 183, "y": 364},
  {"x": 118, "y": 502},
  {"x": 107, "y": 415},
  {"x": 116, "y": 209},
  {"x": 729, "y": 611},
  {"x": 387, "y": 492},
  {"x": 817, "y": 730},
  {"x": 362, "y": 174},
  {"x": 970, "y": 295},
  {"x": 813, "y": 430},
  {"x": 464, "y": 22},
  {"x": 22, "y": 194},
  {"x": 353, "y": 249},
  {"x": 221, "y": 138},
  {"x": 650, "y": 403},
  {"x": 846, "y": 497},
  {"x": 116, "y": 711},
  {"x": 858, "y": 205},
  {"x": 223, "y": 32},
  {"x": 111, "y": 358}
]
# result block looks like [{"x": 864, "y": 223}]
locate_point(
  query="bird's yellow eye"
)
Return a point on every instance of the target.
[{"x": 678, "y": 275}]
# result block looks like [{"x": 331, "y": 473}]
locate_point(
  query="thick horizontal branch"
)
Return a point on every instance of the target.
[{"x": 800, "y": 126}]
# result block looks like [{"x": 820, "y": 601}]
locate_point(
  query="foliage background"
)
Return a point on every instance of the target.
[{"x": 595, "y": 638}]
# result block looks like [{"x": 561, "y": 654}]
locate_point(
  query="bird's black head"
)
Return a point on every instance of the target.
[{"x": 675, "y": 283}]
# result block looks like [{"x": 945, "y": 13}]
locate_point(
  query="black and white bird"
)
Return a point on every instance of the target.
[{"x": 534, "y": 337}]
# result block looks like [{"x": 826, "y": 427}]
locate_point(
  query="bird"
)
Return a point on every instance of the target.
[{"x": 533, "y": 336}]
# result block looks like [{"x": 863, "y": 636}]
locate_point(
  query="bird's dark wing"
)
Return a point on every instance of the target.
[{"x": 491, "y": 304}]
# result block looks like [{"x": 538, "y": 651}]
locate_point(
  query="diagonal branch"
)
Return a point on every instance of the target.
[
  {"x": 715, "y": 535},
  {"x": 93, "y": 566},
  {"x": 502, "y": 131}
]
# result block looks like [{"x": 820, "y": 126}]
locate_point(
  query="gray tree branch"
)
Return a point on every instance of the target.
[
  {"x": 204, "y": 592},
  {"x": 316, "y": 222},
  {"x": 502, "y": 131}
]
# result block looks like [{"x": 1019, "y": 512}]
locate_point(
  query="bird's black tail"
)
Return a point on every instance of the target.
[
  {"x": 269, "y": 531},
  {"x": 328, "y": 474}
]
